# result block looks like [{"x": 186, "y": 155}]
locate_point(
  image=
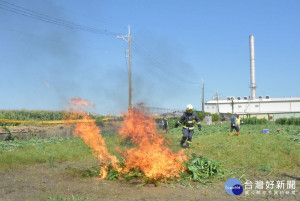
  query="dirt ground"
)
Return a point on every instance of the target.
[
  {"x": 41, "y": 181},
  {"x": 51, "y": 131},
  {"x": 27, "y": 132}
]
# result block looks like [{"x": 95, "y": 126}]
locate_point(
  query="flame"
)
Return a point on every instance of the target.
[
  {"x": 151, "y": 155},
  {"x": 91, "y": 135}
]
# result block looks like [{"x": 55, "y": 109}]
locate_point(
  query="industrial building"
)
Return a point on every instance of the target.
[
  {"x": 263, "y": 107},
  {"x": 250, "y": 106}
]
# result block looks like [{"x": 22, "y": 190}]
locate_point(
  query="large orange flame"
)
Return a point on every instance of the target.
[
  {"x": 151, "y": 155},
  {"x": 91, "y": 135}
]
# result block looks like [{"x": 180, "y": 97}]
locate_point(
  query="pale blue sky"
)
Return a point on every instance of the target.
[{"x": 176, "y": 43}]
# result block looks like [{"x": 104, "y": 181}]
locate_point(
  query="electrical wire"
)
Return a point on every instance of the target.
[
  {"x": 136, "y": 47},
  {"x": 158, "y": 76},
  {"x": 157, "y": 64},
  {"x": 46, "y": 18},
  {"x": 82, "y": 14},
  {"x": 48, "y": 39}
]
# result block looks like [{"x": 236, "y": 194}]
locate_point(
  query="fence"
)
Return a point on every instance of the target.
[{"x": 156, "y": 111}]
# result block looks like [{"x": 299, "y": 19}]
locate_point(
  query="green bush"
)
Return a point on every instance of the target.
[
  {"x": 254, "y": 121},
  {"x": 99, "y": 122},
  {"x": 297, "y": 121},
  {"x": 215, "y": 117},
  {"x": 172, "y": 122},
  {"x": 288, "y": 121},
  {"x": 200, "y": 115}
]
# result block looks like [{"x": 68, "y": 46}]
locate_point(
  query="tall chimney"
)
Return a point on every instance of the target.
[{"x": 252, "y": 67}]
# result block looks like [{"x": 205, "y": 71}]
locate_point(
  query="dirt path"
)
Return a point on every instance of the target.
[
  {"x": 40, "y": 182},
  {"x": 27, "y": 132}
]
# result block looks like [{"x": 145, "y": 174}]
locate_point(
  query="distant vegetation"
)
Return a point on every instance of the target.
[
  {"x": 254, "y": 121},
  {"x": 31, "y": 114},
  {"x": 39, "y": 115},
  {"x": 288, "y": 121},
  {"x": 201, "y": 116},
  {"x": 45, "y": 115}
]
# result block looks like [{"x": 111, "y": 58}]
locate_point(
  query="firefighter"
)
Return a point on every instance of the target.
[
  {"x": 188, "y": 119},
  {"x": 233, "y": 125}
]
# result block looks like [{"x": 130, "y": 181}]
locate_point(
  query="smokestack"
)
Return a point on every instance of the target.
[{"x": 252, "y": 67}]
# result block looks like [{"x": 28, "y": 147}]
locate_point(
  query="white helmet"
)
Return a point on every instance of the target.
[{"x": 189, "y": 108}]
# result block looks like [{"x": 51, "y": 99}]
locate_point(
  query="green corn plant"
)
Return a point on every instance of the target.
[{"x": 201, "y": 168}]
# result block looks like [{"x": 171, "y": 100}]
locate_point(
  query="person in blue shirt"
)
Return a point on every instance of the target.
[{"x": 233, "y": 125}]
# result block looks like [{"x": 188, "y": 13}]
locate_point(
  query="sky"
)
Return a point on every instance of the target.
[{"x": 54, "y": 50}]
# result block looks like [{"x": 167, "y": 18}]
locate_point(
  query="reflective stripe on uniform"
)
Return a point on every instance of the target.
[
  {"x": 189, "y": 142},
  {"x": 189, "y": 128},
  {"x": 198, "y": 123},
  {"x": 189, "y": 122}
]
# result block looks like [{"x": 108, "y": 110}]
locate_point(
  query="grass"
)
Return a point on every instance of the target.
[
  {"x": 63, "y": 198},
  {"x": 35, "y": 151},
  {"x": 271, "y": 153},
  {"x": 274, "y": 153}
]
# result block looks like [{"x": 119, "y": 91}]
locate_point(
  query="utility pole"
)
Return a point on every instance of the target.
[
  {"x": 217, "y": 94},
  {"x": 127, "y": 38},
  {"x": 202, "y": 98}
]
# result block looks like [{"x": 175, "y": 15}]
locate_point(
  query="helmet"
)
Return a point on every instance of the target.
[{"x": 189, "y": 108}]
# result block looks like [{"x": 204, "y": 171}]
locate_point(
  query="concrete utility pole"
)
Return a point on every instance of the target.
[
  {"x": 217, "y": 94},
  {"x": 127, "y": 38},
  {"x": 252, "y": 68},
  {"x": 202, "y": 98}
]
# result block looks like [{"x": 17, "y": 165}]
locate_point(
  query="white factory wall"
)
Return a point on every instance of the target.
[
  {"x": 295, "y": 106},
  {"x": 262, "y": 106}
]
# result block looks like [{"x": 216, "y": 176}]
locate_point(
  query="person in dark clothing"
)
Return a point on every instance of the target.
[
  {"x": 165, "y": 123},
  {"x": 188, "y": 119}
]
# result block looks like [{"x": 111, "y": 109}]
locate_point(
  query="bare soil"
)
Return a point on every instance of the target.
[
  {"x": 40, "y": 182},
  {"x": 51, "y": 131},
  {"x": 27, "y": 132}
]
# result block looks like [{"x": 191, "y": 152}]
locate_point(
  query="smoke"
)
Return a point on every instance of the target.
[
  {"x": 39, "y": 56},
  {"x": 163, "y": 75},
  {"x": 40, "y": 52},
  {"x": 110, "y": 89}
]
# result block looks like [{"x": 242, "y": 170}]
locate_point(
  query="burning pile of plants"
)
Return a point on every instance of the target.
[{"x": 148, "y": 158}]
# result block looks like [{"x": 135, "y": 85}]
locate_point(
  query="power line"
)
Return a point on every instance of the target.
[
  {"x": 157, "y": 64},
  {"x": 156, "y": 76},
  {"x": 138, "y": 51},
  {"x": 137, "y": 48},
  {"x": 46, "y": 18},
  {"x": 83, "y": 14},
  {"x": 48, "y": 39},
  {"x": 159, "y": 76},
  {"x": 160, "y": 64}
]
